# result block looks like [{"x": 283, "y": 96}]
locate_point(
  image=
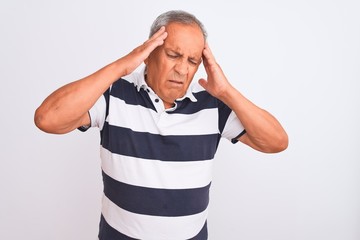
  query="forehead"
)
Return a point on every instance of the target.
[{"x": 184, "y": 38}]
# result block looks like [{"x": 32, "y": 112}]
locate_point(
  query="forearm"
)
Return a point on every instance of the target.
[
  {"x": 263, "y": 131},
  {"x": 64, "y": 109}
]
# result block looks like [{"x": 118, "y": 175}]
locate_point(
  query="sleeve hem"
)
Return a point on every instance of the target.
[
  {"x": 235, "y": 139},
  {"x": 84, "y": 128}
]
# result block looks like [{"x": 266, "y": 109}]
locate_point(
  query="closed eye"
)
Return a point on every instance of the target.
[
  {"x": 172, "y": 55},
  {"x": 194, "y": 61}
]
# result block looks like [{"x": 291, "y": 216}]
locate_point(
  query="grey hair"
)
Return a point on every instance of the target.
[{"x": 178, "y": 16}]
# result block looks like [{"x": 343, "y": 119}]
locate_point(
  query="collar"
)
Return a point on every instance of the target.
[
  {"x": 140, "y": 83},
  {"x": 139, "y": 80},
  {"x": 189, "y": 94}
]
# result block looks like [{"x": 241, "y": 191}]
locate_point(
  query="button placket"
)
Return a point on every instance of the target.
[{"x": 157, "y": 101}]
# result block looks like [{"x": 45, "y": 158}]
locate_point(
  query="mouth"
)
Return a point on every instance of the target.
[{"x": 176, "y": 82}]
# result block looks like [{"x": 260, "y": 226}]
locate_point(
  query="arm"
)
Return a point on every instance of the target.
[
  {"x": 67, "y": 108},
  {"x": 263, "y": 132}
]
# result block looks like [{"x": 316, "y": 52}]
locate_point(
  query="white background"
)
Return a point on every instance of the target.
[{"x": 300, "y": 60}]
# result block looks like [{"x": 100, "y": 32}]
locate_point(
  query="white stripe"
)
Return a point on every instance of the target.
[
  {"x": 142, "y": 119},
  {"x": 155, "y": 173},
  {"x": 152, "y": 227},
  {"x": 233, "y": 127},
  {"x": 97, "y": 113}
]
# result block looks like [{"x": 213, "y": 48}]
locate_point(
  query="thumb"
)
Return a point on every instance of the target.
[{"x": 203, "y": 83}]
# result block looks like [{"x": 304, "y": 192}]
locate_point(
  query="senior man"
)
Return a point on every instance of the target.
[{"x": 159, "y": 132}]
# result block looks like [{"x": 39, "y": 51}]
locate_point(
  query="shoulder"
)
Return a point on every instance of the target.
[
  {"x": 129, "y": 81},
  {"x": 134, "y": 77},
  {"x": 201, "y": 94}
]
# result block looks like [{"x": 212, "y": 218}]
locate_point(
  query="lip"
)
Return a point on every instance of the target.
[{"x": 176, "y": 82}]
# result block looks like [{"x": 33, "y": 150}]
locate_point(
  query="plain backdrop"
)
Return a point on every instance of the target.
[{"x": 300, "y": 60}]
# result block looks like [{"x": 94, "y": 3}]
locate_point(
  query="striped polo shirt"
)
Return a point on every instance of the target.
[{"x": 156, "y": 162}]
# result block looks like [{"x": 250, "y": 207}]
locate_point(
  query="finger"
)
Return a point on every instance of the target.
[
  {"x": 157, "y": 39},
  {"x": 209, "y": 57},
  {"x": 203, "y": 83},
  {"x": 158, "y": 33},
  {"x": 161, "y": 34}
]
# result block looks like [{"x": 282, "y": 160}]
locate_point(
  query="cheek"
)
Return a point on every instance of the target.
[{"x": 192, "y": 72}]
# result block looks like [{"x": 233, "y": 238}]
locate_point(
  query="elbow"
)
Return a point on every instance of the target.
[
  {"x": 50, "y": 122},
  {"x": 44, "y": 122},
  {"x": 274, "y": 144},
  {"x": 40, "y": 120},
  {"x": 280, "y": 143}
]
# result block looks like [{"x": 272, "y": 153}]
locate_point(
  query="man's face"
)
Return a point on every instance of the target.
[{"x": 172, "y": 66}]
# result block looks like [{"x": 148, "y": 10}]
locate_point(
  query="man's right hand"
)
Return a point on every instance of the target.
[
  {"x": 67, "y": 108},
  {"x": 139, "y": 54}
]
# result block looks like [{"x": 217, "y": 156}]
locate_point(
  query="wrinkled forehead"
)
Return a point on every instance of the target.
[
  {"x": 183, "y": 28},
  {"x": 184, "y": 38}
]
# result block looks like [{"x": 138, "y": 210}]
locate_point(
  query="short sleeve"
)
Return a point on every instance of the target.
[
  {"x": 98, "y": 113},
  {"x": 229, "y": 124},
  {"x": 233, "y": 128}
]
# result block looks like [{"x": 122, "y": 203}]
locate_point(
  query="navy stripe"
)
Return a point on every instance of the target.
[
  {"x": 109, "y": 233},
  {"x": 204, "y": 101},
  {"x": 128, "y": 92},
  {"x": 126, "y": 142},
  {"x": 107, "y": 96},
  {"x": 156, "y": 202}
]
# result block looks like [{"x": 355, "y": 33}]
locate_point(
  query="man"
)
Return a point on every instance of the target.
[{"x": 158, "y": 133}]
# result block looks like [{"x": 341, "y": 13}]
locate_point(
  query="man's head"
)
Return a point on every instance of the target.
[
  {"x": 172, "y": 66},
  {"x": 178, "y": 16}
]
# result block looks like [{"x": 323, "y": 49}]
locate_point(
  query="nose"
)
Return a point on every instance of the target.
[{"x": 182, "y": 67}]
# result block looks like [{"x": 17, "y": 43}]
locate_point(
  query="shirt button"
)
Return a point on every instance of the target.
[
  {"x": 156, "y": 100},
  {"x": 147, "y": 90}
]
